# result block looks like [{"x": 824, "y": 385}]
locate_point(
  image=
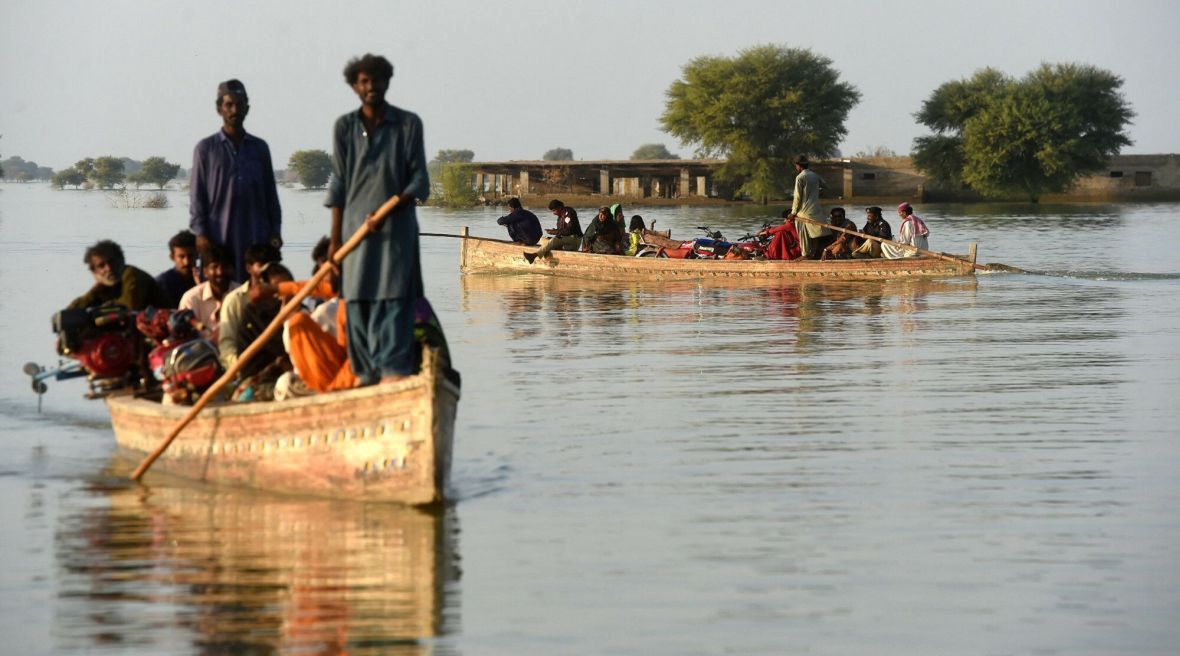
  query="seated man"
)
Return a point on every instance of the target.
[
  {"x": 842, "y": 243},
  {"x": 567, "y": 236},
  {"x": 784, "y": 243},
  {"x": 912, "y": 232},
  {"x": 319, "y": 355},
  {"x": 523, "y": 226},
  {"x": 256, "y": 377},
  {"x": 205, "y": 299},
  {"x": 118, "y": 283},
  {"x": 182, "y": 250},
  {"x": 234, "y": 305},
  {"x": 876, "y": 226}
]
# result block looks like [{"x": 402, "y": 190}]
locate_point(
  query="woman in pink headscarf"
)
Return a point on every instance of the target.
[{"x": 913, "y": 232}]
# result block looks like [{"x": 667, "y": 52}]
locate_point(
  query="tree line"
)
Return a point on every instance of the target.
[
  {"x": 993, "y": 134},
  {"x": 107, "y": 172}
]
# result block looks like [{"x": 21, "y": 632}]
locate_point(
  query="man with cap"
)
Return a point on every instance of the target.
[
  {"x": 234, "y": 202},
  {"x": 912, "y": 232},
  {"x": 805, "y": 205}
]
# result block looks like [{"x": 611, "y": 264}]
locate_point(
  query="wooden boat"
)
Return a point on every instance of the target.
[
  {"x": 495, "y": 255},
  {"x": 381, "y": 443}
]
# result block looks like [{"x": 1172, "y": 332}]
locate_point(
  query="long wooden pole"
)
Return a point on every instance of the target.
[
  {"x": 944, "y": 256},
  {"x": 276, "y": 324}
]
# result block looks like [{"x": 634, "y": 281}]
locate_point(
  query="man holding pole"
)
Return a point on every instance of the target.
[
  {"x": 378, "y": 153},
  {"x": 805, "y": 205}
]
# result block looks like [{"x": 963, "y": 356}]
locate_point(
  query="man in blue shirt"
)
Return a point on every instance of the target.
[
  {"x": 233, "y": 198},
  {"x": 182, "y": 250},
  {"x": 378, "y": 153}
]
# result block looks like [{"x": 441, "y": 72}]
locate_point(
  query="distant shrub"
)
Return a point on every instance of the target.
[{"x": 128, "y": 200}]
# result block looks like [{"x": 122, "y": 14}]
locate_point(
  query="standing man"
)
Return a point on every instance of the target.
[
  {"x": 805, "y": 205},
  {"x": 523, "y": 226},
  {"x": 378, "y": 153},
  {"x": 234, "y": 201},
  {"x": 567, "y": 236}
]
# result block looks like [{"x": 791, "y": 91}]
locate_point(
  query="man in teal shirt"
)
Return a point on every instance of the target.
[{"x": 378, "y": 153}]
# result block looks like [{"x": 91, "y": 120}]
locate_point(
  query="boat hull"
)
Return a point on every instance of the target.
[
  {"x": 388, "y": 442},
  {"x": 493, "y": 255}
]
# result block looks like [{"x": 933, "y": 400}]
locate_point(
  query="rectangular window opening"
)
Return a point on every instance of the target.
[
  {"x": 868, "y": 176},
  {"x": 1142, "y": 178},
  {"x": 1116, "y": 174}
]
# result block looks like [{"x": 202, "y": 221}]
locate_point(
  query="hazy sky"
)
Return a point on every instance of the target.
[{"x": 510, "y": 79}]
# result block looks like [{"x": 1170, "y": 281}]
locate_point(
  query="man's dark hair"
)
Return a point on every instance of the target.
[
  {"x": 875, "y": 211},
  {"x": 273, "y": 271},
  {"x": 261, "y": 254},
  {"x": 216, "y": 253},
  {"x": 514, "y": 203},
  {"x": 107, "y": 250},
  {"x": 183, "y": 239},
  {"x": 785, "y": 213},
  {"x": 375, "y": 65},
  {"x": 555, "y": 204},
  {"x": 320, "y": 252},
  {"x": 837, "y": 210}
]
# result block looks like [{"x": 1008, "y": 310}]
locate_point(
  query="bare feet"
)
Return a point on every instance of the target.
[{"x": 391, "y": 379}]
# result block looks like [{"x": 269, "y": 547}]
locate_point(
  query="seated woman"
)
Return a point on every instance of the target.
[
  {"x": 635, "y": 236},
  {"x": 784, "y": 243},
  {"x": 603, "y": 234}
]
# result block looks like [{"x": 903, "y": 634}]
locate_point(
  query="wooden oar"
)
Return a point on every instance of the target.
[
  {"x": 275, "y": 325},
  {"x": 944, "y": 256}
]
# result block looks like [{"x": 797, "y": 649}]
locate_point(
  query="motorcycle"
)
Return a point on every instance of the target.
[{"x": 711, "y": 247}]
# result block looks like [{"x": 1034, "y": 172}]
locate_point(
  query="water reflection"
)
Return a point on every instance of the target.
[{"x": 166, "y": 569}]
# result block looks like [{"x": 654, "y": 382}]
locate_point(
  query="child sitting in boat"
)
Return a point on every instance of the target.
[{"x": 635, "y": 235}]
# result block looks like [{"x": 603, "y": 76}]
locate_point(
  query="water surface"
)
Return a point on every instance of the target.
[{"x": 981, "y": 465}]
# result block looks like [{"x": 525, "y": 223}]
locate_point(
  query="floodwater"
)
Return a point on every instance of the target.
[{"x": 980, "y": 465}]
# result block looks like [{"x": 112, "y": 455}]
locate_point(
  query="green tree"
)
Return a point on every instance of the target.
[
  {"x": 455, "y": 186},
  {"x": 108, "y": 172},
  {"x": 558, "y": 155},
  {"x": 1029, "y": 137},
  {"x": 24, "y": 170},
  {"x": 157, "y": 171},
  {"x": 69, "y": 176},
  {"x": 85, "y": 167},
  {"x": 313, "y": 167},
  {"x": 434, "y": 167},
  {"x": 653, "y": 151},
  {"x": 759, "y": 110}
]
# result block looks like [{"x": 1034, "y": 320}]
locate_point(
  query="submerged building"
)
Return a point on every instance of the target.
[{"x": 1128, "y": 177}]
